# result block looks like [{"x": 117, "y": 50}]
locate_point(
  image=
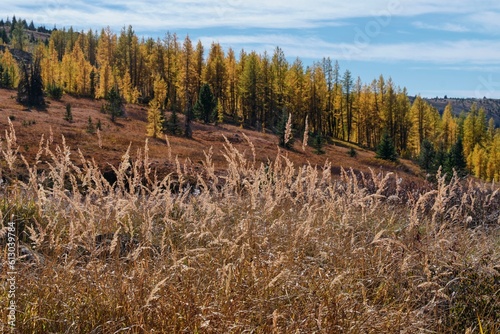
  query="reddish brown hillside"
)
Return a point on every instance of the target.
[{"x": 30, "y": 125}]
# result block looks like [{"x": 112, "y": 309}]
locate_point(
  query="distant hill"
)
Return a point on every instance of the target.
[
  {"x": 19, "y": 56},
  {"x": 491, "y": 106}
]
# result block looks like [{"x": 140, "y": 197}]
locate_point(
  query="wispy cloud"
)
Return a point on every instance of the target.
[
  {"x": 488, "y": 21},
  {"x": 193, "y": 14},
  {"x": 463, "y": 52},
  {"x": 452, "y": 27}
]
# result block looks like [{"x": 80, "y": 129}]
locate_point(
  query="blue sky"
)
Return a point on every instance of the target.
[{"x": 434, "y": 48}]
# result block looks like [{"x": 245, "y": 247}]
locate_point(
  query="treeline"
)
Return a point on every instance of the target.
[
  {"x": 19, "y": 32},
  {"x": 258, "y": 91}
]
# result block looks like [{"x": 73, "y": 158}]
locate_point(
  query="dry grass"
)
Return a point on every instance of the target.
[
  {"x": 261, "y": 248},
  {"x": 264, "y": 248}
]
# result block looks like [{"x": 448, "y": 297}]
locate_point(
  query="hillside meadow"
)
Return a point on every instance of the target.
[{"x": 239, "y": 245}]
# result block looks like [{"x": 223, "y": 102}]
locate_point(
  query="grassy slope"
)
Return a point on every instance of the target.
[
  {"x": 132, "y": 130},
  {"x": 282, "y": 249}
]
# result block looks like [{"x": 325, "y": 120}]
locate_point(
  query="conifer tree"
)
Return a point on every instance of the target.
[
  {"x": 30, "y": 88},
  {"x": 448, "y": 127},
  {"x": 173, "y": 125},
  {"x": 114, "y": 104},
  {"x": 155, "y": 119},
  {"x": 386, "y": 149},
  {"x": 219, "y": 112},
  {"x": 19, "y": 38},
  {"x": 456, "y": 159},
  {"x": 68, "y": 116},
  {"x": 427, "y": 156},
  {"x": 206, "y": 104},
  {"x": 318, "y": 143},
  {"x": 90, "y": 126},
  {"x": 3, "y": 36},
  {"x": 188, "y": 131}
]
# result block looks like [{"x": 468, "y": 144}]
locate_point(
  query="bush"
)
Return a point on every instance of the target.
[{"x": 55, "y": 92}]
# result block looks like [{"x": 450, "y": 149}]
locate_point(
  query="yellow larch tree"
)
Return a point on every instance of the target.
[
  {"x": 188, "y": 75},
  {"x": 105, "y": 59},
  {"x": 155, "y": 119},
  {"x": 51, "y": 71},
  {"x": 449, "y": 127},
  {"x": 10, "y": 69}
]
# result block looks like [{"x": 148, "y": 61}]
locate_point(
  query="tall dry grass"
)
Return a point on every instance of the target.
[{"x": 273, "y": 248}]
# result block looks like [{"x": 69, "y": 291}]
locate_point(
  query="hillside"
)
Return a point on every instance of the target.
[
  {"x": 463, "y": 105},
  {"x": 130, "y": 130},
  {"x": 268, "y": 250}
]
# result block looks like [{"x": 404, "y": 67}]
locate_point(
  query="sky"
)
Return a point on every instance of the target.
[{"x": 433, "y": 48}]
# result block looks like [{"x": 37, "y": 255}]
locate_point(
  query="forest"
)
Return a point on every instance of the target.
[{"x": 256, "y": 91}]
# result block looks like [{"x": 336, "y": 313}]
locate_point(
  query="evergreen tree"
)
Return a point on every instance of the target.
[
  {"x": 386, "y": 149},
  {"x": 19, "y": 39},
  {"x": 92, "y": 83},
  {"x": 114, "y": 104},
  {"x": 90, "y": 126},
  {"x": 173, "y": 125},
  {"x": 456, "y": 159},
  {"x": 206, "y": 104},
  {"x": 98, "y": 126},
  {"x": 68, "y": 116},
  {"x": 318, "y": 143},
  {"x": 30, "y": 87},
  {"x": 24, "y": 86},
  {"x": 427, "y": 156},
  {"x": 440, "y": 158},
  {"x": 3, "y": 36}
]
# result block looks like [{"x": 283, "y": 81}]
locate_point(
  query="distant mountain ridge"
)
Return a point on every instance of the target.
[{"x": 491, "y": 106}]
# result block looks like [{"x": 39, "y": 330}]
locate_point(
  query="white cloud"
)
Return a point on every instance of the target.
[
  {"x": 452, "y": 27},
  {"x": 489, "y": 21},
  {"x": 459, "y": 53},
  {"x": 180, "y": 14}
]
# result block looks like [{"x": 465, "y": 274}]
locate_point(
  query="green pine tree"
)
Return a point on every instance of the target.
[
  {"x": 456, "y": 159},
  {"x": 427, "y": 155},
  {"x": 386, "y": 149},
  {"x": 90, "y": 126},
  {"x": 173, "y": 125},
  {"x": 318, "y": 143},
  {"x": 440, "y": 158},
  {"x": 206, "y": 104},
  {"x": 68, "y": 116},
  {"x": 30, "y": 87},
  {"x": 114, "y": 104}
]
